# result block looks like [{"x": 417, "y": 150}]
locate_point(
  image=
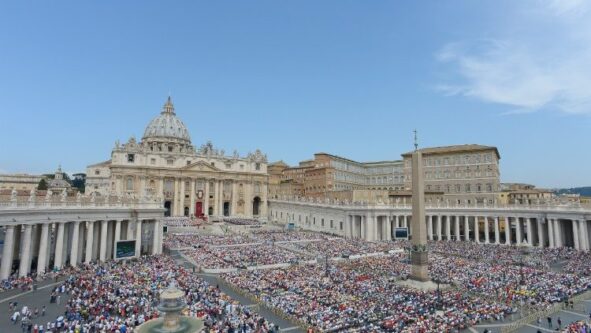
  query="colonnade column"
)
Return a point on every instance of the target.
[
  {"x": 138, "y": 238},
  {"x": 388, "y": 228},
  {"x": 476, "y": 231},
  {"x": 75, "y": 240},
  {"x": 89, "y": 241},
  {"x": 497, "y": 236},
  {"x": 116, "y": 237},
  {"x": 439, "y": 231},
  {"x": 24, "y": 266},
  {"x": 530, "y": 236},
  {"x": 466, "y": 229},
  {"x": 584, "y": 234},
  {"x": 156, "y": 236},
  {"x": 557, "y": 233},
  {"x": 518, "y": 231},
  {"x": 550, "y": 223},
  {"x": 430, "y": 226},
  {"x": 59, "y": 245},
  {"x": 103, "y": 248},
  {"x": 457, "y": 227},
  {"x": 507, "y": 231},
  {"x": 448, "y": 227},
  {"x": 486, "y": 233},
  {"x": 7, "y": 253},
  {"x": 540, "y": 232},
  {"x": 576, "y": 234},
  {"x": 42, "y": 258}
]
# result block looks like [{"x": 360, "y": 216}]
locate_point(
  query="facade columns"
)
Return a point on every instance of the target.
[
  {"x": 182, "y": 199},
  {"x": 575, "y": 224},
  {"x": 206, "y": 199},
  {"x": 448, "y": 227},
  {"x": 388, "y": 228},
  {"x": 59, "y": 245},
  {"x": 430, "y": 226},
  {"x": 42, "y": 258},
  {"x": 25, "y": 263},
  {"x": 75, "y": 241},
  {"x": 7, "y": 253},
  {"x": 439, "y": 231},
  {"x": 176, "y": 204},
  {"x": 192, "y": 198},
  {"x": 550, "y": 224},
  {"x": 497, "y": 236},
  {"x": 530, "y": 236},
  {"x": 486, "y": 231},
  {"x": 466, "y": 229},
  {"x": 216, "y": 191},
  {"x": 103, "y": 248},
  {"x": 138, "y": 238}
]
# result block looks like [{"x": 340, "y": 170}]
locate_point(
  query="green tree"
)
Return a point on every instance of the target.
[{"x": 42, "y": 185}]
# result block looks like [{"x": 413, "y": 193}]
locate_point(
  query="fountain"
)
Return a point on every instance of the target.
[{"x": 172, "y": 302}]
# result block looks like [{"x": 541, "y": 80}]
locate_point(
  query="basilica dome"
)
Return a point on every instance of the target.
[{"x": 167, "y": 126}]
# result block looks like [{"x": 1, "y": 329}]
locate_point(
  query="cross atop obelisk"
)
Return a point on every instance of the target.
[{"x": 416, "y": 140}]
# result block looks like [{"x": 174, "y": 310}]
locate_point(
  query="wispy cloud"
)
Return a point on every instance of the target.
[{"x": 527, "y": 74}]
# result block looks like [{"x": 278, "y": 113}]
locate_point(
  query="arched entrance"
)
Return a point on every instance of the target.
[
  {"x": 167, "y": 208},
  {"x": 186, "y": 212},
  {"x": 256, "y": 205},
  {"x": 210, "y": 211}
]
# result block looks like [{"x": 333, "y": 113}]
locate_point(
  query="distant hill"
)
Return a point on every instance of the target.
[{"x": 583, "y": 191}]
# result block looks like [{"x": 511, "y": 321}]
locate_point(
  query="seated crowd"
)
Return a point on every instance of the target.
[
  {"x": 182, "y": 221},
  {"x": 241, "y": 221},
  {"x": 361, "y": 295},
  {"x": 242, "y": 256},
  {"x": 180, "y": 240},
  {"x": 107, "y": 297},
  {"x": 338, "y": 247}
]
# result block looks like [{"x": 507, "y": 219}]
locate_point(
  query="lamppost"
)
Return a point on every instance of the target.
[{"x": 438, "y": 282}]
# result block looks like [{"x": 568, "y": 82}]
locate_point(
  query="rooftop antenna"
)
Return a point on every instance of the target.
[{"x": 416, "y": 140}]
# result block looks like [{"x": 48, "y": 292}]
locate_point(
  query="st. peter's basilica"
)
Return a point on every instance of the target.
[{"x": 200, "y": 182}]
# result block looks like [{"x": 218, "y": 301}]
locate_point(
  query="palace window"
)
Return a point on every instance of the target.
[
  {"x": 130, "y": 158},
  {"x": 228, "y": 165},
  {"x": 257, "y": 166},
  {"x": 130, "y": 184},
  {"x": 170, "y": 148},
  {"x": 169, "y": 162},
  {"x": 467, "y": 187},
  {"x": 97, "y": 172},
  {"x": 152, "y": 161},
  {"x": 188, "y": 162}
]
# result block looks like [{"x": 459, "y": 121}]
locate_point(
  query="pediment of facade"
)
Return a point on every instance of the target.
[{"x": 200, "y": 166}]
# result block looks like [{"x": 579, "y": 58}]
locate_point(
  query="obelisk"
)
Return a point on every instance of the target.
[{"x": 419, "y": 270}]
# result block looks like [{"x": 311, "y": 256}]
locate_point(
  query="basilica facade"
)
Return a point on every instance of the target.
[{"x": 191, "y": 181}]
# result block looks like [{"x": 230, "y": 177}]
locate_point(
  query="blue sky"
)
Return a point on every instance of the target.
[{"x": 352, "y": 78}]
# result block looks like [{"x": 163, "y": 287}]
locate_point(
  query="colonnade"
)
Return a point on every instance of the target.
[
  {"x": 41, "y": 247},
  {"x": 529, "y": 231}
]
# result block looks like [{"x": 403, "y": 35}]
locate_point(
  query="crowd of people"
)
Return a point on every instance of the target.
[
  {"x": 340, "y": 247},
  {"x": 118, "y": 296},
  {"x": 579, "y": 326},
  {"x": 362, "y": 295},
  {"x": 181, "y": 240},
  {"x": 536, "y": 257},
  {"x": 182, "y": 221},
  {"x": 241, "y": 221},
  {"x": 223, "y": 257}
]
